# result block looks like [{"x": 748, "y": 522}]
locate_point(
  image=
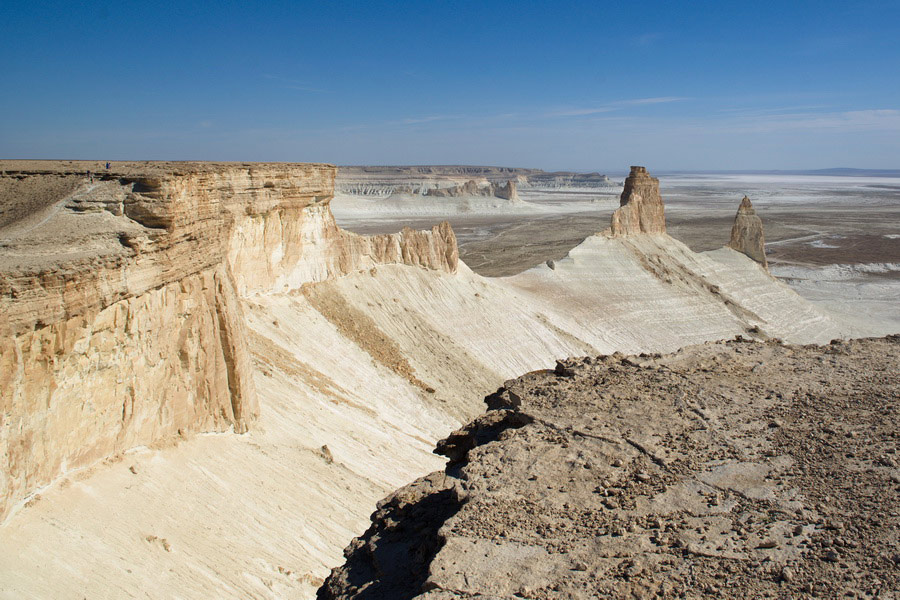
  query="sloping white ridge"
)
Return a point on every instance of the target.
[{"x": 266, "y": 514}]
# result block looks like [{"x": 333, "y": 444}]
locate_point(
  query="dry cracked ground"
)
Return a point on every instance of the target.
[{"x": 730, "y": 470}]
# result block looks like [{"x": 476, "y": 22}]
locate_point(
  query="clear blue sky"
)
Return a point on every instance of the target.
[{"x": 574, "y": 85}]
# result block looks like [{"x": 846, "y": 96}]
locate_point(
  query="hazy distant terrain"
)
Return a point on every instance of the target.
[{"x": 833, "y": 238}]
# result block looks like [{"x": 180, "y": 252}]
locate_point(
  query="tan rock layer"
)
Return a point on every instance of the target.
[
  {"x": 167, "y": 362},
  {"x": 285, "y": 248},
  {"x": 640, "y": 206},
  {"x": 187, "y": 221},
  {"x": 106, "y": 351},
  {"x": 747, "y": 233}
]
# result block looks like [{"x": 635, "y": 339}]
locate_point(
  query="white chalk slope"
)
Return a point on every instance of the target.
[{"x": 375, "y": 366}]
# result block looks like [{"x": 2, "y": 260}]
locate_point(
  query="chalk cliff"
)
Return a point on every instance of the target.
[
  {"x": 506, "y": 191},
  {"x": 747, "y": 233},
  {"x": 120, "y": 323},
  {"x": 640, "y": 207}
]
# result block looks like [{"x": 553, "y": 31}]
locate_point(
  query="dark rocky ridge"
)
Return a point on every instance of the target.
[{"x": 735, "y": 469}]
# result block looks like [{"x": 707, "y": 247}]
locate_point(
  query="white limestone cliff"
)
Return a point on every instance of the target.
[{"x": 220, "y": 296}]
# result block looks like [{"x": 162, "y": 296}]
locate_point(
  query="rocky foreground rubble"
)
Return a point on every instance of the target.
[{"x": 729, "y": 470}]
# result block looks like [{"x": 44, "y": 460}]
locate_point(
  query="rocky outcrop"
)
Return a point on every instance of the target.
[
  {"x": 284, "y": 247},
  {"x": 640, "y": 207},
  {"x": 747, "y": 233},
  {"x": 120, "y": 323},
  {"x": 507, "y": 191},
  {"x": 701, "y": 474}
]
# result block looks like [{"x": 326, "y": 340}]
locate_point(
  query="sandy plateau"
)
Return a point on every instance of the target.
[{"x": 207, "y": 381}]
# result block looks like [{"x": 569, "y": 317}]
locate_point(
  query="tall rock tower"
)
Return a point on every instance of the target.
[
  {"x": 747, "y": 233},
  {"x": 640, "y": 207}
]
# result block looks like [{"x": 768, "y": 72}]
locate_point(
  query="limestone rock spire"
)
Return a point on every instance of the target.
[
  {"x": 640, "y": 206},
  {"x": 747, "y": 233}
]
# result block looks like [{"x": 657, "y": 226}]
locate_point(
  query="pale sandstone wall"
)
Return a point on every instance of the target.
[
  {"x": 142, "y": 340},
  {"x": 145, "y": 368},
  {"x": 133, "y": 343},
  {"x": 283, "y": 248}
]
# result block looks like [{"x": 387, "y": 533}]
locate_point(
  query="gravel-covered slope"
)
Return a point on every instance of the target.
[{"x": 735, "y": 469}]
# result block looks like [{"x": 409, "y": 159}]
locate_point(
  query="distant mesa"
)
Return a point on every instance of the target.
[
  {"x": 384, "y": 181},
  {"x": 505, "y": 191},
  {"x": 747, "y": 233},
  {"x": 640, "y": 207}
]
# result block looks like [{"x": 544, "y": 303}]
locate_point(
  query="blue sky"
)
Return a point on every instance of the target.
[{"x": 556, "y": 85}]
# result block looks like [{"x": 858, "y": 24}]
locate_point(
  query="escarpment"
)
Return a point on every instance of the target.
[
  {"x": 747, "y": 233},
  {"x": 506, "y": 191},
  {"x": 172, "y": 296},
  {"x": 384, "y": 181},
  {"x": 120, "y": 319},
  {"x": 641, "y": 207}
]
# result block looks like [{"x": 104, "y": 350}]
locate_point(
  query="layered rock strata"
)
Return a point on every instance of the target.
[
  {"x": 747, "y": 233},
  {"x": 120, "y": 323},
  {"x": 716, "y": 472},
  {"x": 385, "y": 181},
  {"x": 640, "y": 206},
  {"x": 506, "y": 191}
]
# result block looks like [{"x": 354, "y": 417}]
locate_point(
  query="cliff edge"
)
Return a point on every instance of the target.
[
  {"x": 719, "y": 471},
  {"x": 120, "y": 316}
]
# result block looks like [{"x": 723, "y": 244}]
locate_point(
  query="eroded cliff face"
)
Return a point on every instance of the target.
[
  {"x": 120, "y": 320},
  {"x": 282, "y": 248},
  {"x": 641, "y": 207},
  {"x": 506, "y": 191}
]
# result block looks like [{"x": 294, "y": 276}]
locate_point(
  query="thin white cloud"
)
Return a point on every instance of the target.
[
  {"x": 581, "y": 112},
  {"x": 744, "y": 111},
  {"x": 614, "y": 106},
  {"x": 646, "y": 39}
]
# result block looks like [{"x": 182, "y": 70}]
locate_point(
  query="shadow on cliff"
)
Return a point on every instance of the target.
[{"x": 391, "y": 560}]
